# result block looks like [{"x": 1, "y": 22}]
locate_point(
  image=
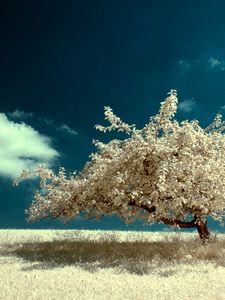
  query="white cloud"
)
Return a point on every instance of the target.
[
  {"x": 19, "y": 114},
  {"x": 22, "y": 147},
  {"x": 66, "y": 128},
  {"x": 215, "y": 63},
  {"x": 186, "y": 105}
]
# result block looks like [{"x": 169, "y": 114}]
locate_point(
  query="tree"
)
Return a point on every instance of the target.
[{"x": 165, "y": 172}]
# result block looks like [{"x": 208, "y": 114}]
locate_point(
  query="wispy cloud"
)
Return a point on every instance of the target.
[
  {"x": 67, "y": 129},
  {"x": 62, "y": 127},
  {"x": 46, "y": 120},
  {"x": 183, "y": 65},
  {"x": 19, "y": 114},
  {"x": 209, "y": 62},
  {"x": 215, "y": 63},
  {"x": 22, "y": 147},
  {"x": 187, "y": 105}
]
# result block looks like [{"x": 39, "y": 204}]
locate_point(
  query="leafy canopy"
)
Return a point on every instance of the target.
[{"x": 169, "y": 169}]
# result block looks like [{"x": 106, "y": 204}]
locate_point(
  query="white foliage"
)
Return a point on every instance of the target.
[{"x": 179, "y": 168}]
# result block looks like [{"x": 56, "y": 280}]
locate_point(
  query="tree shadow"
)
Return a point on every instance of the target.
[{"x": 138, "y": 257}]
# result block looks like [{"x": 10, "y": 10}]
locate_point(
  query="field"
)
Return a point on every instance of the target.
[{"x": 83, "y": 264}]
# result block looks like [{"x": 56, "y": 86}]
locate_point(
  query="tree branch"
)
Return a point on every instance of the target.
[{"x": 180, "y": 223}]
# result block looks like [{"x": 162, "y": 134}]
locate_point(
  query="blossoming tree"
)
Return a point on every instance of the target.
[{"x": 164, "y": 172}]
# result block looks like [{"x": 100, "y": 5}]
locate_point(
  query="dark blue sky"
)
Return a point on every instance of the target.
[{"x": 61, "y": 62}]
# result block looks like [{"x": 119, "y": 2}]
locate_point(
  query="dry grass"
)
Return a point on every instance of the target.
[
  {"x": 138, "y": 257},
  {"x": 101, "y": 265}
]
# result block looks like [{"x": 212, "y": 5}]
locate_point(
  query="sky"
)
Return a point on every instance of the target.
[{"x": 61, "y": 62}]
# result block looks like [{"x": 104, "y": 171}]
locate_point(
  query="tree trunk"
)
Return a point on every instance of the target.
[
  {"x": 203, "y": 231},
  {"x": 197, "y": 222}
]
